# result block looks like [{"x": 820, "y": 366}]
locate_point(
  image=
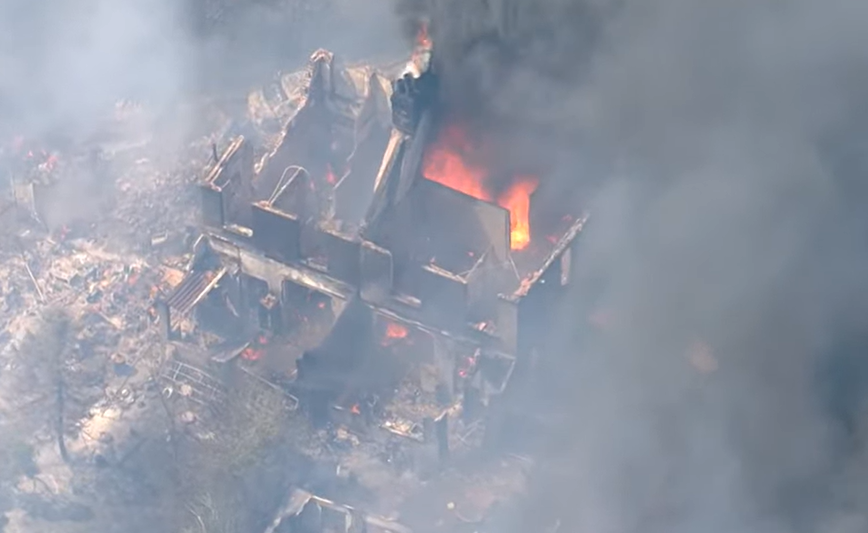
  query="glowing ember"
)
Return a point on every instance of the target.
[
  {"x": 251, "y": 354},
  {"x": 256, "y": 350},
  {"x": 448, "y": 162},
  {"x": 423, "y": 40},
  {"x": 331, "y": 179},
  {"x": 49, "y": 163},
  {"x": 394, "y": 332}
]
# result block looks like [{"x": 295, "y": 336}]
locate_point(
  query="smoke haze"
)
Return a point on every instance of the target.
[
  {"x": 721, "y": 147},
  {"x": 725, "y": 147},
  {"x": 63, "y": 64}
]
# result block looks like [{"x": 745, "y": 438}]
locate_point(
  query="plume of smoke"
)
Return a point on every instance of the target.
[{"x": 727, "y": 217}]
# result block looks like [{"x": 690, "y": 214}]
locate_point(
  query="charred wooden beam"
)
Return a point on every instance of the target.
[{"x": 411, "y": 96}]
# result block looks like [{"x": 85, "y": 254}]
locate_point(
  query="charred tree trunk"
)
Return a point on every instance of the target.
[
  {"x": 60, "y": 330},
  {"x": 61, "y": 440},
  {"x": 48, "y": 345}
]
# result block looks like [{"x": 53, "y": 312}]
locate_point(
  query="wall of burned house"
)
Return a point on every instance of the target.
[
  {"x": 443, "y": 297},
  {"x": 536, "y": 310},
  {"x": 341, "y": 364},
  {"x": 253, "y": 290},
  {"x": 436, "y": 237},
  {"x": 376, "y": 273},
  {"x": 450, "y": 229},
  {"x": 514, "y": 415},
  {"x": 238, "y": 191},
  {"x": 228, "y": 191},
  {"x": 298, "y": 195},
  {"x": 223, "y": 310},
  {"x": 332, "y": 252},
  {"x": 276, "y": 233},
  {"x": 304, "y": 307},
  {"x": 354, "y": 193},
  {"x": 211, "y": 206},
  {"x": 306, "y": 143}
]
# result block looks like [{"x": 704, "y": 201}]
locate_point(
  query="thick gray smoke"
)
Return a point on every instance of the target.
[{"x": 729, "y": 224}]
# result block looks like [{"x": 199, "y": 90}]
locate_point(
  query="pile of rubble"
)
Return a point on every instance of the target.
[{"x": 97, "y": 231}]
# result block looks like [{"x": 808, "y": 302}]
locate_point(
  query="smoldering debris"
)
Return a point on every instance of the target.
[{"x": 90, "y": 417}]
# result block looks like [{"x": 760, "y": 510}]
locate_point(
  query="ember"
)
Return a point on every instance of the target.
[
  {"x": 449, "y": 162},
  {"x": 423, "y": 40},
  {"x": 251, "y": 354},
  {"x": 394, "y": 332},
  {"x": 256, "y": 349}
]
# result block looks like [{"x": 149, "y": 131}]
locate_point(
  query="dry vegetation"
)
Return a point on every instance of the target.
[{"x": 217, "y": 466}]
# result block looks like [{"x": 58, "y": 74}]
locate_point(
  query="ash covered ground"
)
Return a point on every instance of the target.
[{"x": 712, "y": 357}]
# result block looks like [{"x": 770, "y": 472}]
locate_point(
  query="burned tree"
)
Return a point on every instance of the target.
[
  {"x": 48, "y": 347},
  {"x": 42, "y": 356}
]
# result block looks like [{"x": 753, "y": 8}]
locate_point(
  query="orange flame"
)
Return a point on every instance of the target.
[
  {"x": 331, "y": 179},
  {"x": 448, "y": 162},
  {"x": 517, "y": 200}
]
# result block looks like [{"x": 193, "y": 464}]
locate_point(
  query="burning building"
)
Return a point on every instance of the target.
[{"x": 435, "y": 274}]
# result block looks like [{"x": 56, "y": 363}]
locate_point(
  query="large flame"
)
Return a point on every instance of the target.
[
  {"x": 517, "y": 200},
  {"x": 449, "y": 161}
]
